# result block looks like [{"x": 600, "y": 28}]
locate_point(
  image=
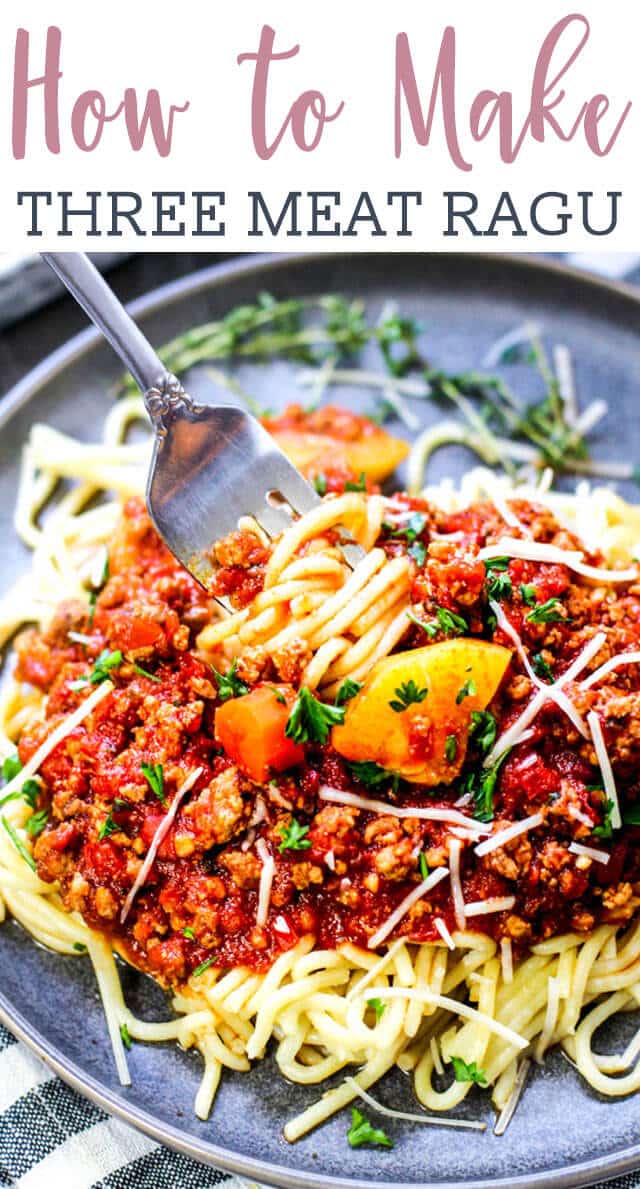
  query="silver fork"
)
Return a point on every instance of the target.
[{"x": 211, "y": 464}]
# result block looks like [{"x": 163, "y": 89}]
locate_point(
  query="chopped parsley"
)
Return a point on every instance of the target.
[
  {"x": 154, "y": 776},
  {"x": 418, "y": 552},
  {"x": 320, "y": 483},
  {"x": 278, "y": 695},
  {"x": 499, "y": 586},
  {"x": 546, "y": 612},
  {"x": 378, "y": 1006},
  {"x": 102, "y": 669},
  {"x": 108, "y": 827},
  {"x": 188, "y": 933},
  {"x": 294, "y": 836},
  {"x": 482, "y": 785},
  {"x": 631, "y": 816},
  {"x": 451, "y": 748},
  {"x": 347, "y": 691},
  {"x": 145, "y": 673},
  {"x": 229, "y": 684},
  {"x": 96, "y": 588},
  {"x": 17, "y": 842},
  {"x": 359, "y": 485},
  {"x": 541, "y": 668},
  {"x": 371, "y": 774},
  {"x": 468, "y": 690},
  {"x": 424, "y": 866},
  {"x": 470, "y": 1072},
  {"x": 80, "y": 947},
  {"x": 125, "y": 1036},
  {"x": 412, "y": 529},
  {"x": 310, "y": 720},
  {"x": 450, "y": 623},
  {"x": 204, "y": 966},
  {"x": 37, "y": 822},
  {"x": 528, "y": 594},
  {"x": 499, "y": 564},
  {"x": 605, "y": 830},
  {"x": 11, "y": 767},
  {"x": 361, "y": 1132},
  {"x": 407, "y": 693},
  {"x": 484, "y": 730}
]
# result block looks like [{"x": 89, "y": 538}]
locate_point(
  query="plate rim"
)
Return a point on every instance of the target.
[{"x": 568, "y": 1177}]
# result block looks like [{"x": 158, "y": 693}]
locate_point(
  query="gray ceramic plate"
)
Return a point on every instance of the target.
[{"x": 563, "y": 1133}]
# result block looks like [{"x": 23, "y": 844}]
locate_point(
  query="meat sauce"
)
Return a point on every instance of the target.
[{"x": 200, "y": 899}]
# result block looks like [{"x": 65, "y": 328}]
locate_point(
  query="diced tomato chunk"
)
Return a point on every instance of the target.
[{"x": 251, "y": 729}]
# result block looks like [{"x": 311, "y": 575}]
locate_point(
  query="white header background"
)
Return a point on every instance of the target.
[{"x": 347, "y": 50}]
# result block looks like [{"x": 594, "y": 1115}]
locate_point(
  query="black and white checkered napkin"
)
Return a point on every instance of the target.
[{"x": 51, "y": 1137}]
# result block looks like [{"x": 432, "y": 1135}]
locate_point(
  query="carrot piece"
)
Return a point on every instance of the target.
[{"x": 251, "y": 729}]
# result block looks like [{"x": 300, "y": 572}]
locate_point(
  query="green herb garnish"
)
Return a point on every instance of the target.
[
  {"x": 154, "y": 776},
  {"x": 229, "y": 684},
  {"x": 146, "y": 673},
  {"x": 528, "y": 594},
  {"x": 424, "y": 866},
  {"x": 347, "y": 691},
  {"x": 378, "y": 1007},
  {"x": 310, "y": 720},
  {"x": 320, "y": 484},
  {"x": 358, "y": 485},
  {"x": 418, "y": 553},
  {"x": 188, "y": 933},
  {"x": 546, "y": 612},
  {"x": 407, "y": 693},
  {"x": 484, "y": 730},
  {"x": 605, "y": 830},
  {"x": 17, "y": 842},
  {"x": 108, "y": 827},
  {"x": 37, "y": 822},
  {"x": 499, "y": 586},
  {"x": 126, "y": 1036},
  {"x": 102, "y": 669},
  {"x": 361, "y": 1132},
  {"x": 204, "y": 966},
  {"x": 450, "y": 623},
  {"x": 371, "y": 774},
  {"x": 464, "y": 1072},
  {"x": 294, "y": 836},
  {"x": 451, "y": 748},
  {"x": 468, "y": 690},
  {"x": 541, "y": 668}
]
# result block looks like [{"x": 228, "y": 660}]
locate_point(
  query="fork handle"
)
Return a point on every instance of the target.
[{"x": 159, "y": 388}]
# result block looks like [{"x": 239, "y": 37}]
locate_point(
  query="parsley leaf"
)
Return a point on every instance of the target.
[
  {"x": 450, "y": 623},
  {"x": 126, "y": 1036},
  {"x": 605, "y": 830},
  {"x": 360, "y": 485},
  {"x": 204, "y": 966},
  {"x": 482, "y": 784},
  {"x": 145, "y": 673},
  {"x": 528, "y": 594},
  {"x": 464, "y": 1072},
  {"x": 484, "y": 730},
  {"x": 108, "y": 827},
  {"x": 188, "y": 933},
  {"x": 320, "y": 483},
  {"x": 294, "y": 836},
  {"x": 412, "y": 529},
  {"x": 378, "y": 1006},
  {"x": 371, "y": 774},
  {"x": 546, "y": 612},
  {"x": 37, "y": 822},
  {"x": 499, "y": 586},
  {"x": 102, "y": 669},
  {"x": 541, "y": 668},
  {"x": 424, "y": 866},
  {"x": 154, "y": 776},
  {"x": 497, "y": 563},
  {"x": 468, "y": 690},
  {"x": 278, "y": 694},
  {"x": 310, "y": 720},
  {"x": 408, "y": 694},
  {"x": 11, "y": 767},
  {"x": 80, "y": 947},
  {"x": 361, "y": 1132},
  {"x": 451, "y": 748},
  {"x": 347, "y": 691},
  {"x": 229, "y": 684},
  {"x": 17, "y": 842},
  {"x": 418, "y": 552}
]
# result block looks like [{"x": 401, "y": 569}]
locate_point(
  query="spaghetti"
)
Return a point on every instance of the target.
[{"x": 464, "y": 974}]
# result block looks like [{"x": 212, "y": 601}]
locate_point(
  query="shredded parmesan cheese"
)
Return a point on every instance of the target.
[
  {"x": 437, "y": 1120},
  {"x": 69, "y": 724},
  {"x": 266, "y": 880},
  {"x": 480, "y": 908},
  {"x": 444, "y": 933},
  {"x": 590, "y": 852},
  {"x": 614, "y": 662},
  {"x": 459, "y": 1008},
  {"x": 605, "y": 768},
  {"x": 328, "y": 793},
  {"x": 506, "y": 835},
  {"x": 509, "y": 1108},
  {"x": 455, "y": 846},
  {"x": 418, "y": 892},
  {"x": 572, "y": 558},
  {"x": 156, "y": 842}
]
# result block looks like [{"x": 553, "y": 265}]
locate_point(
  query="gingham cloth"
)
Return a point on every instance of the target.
[{"x": 51, "y": 1137}]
